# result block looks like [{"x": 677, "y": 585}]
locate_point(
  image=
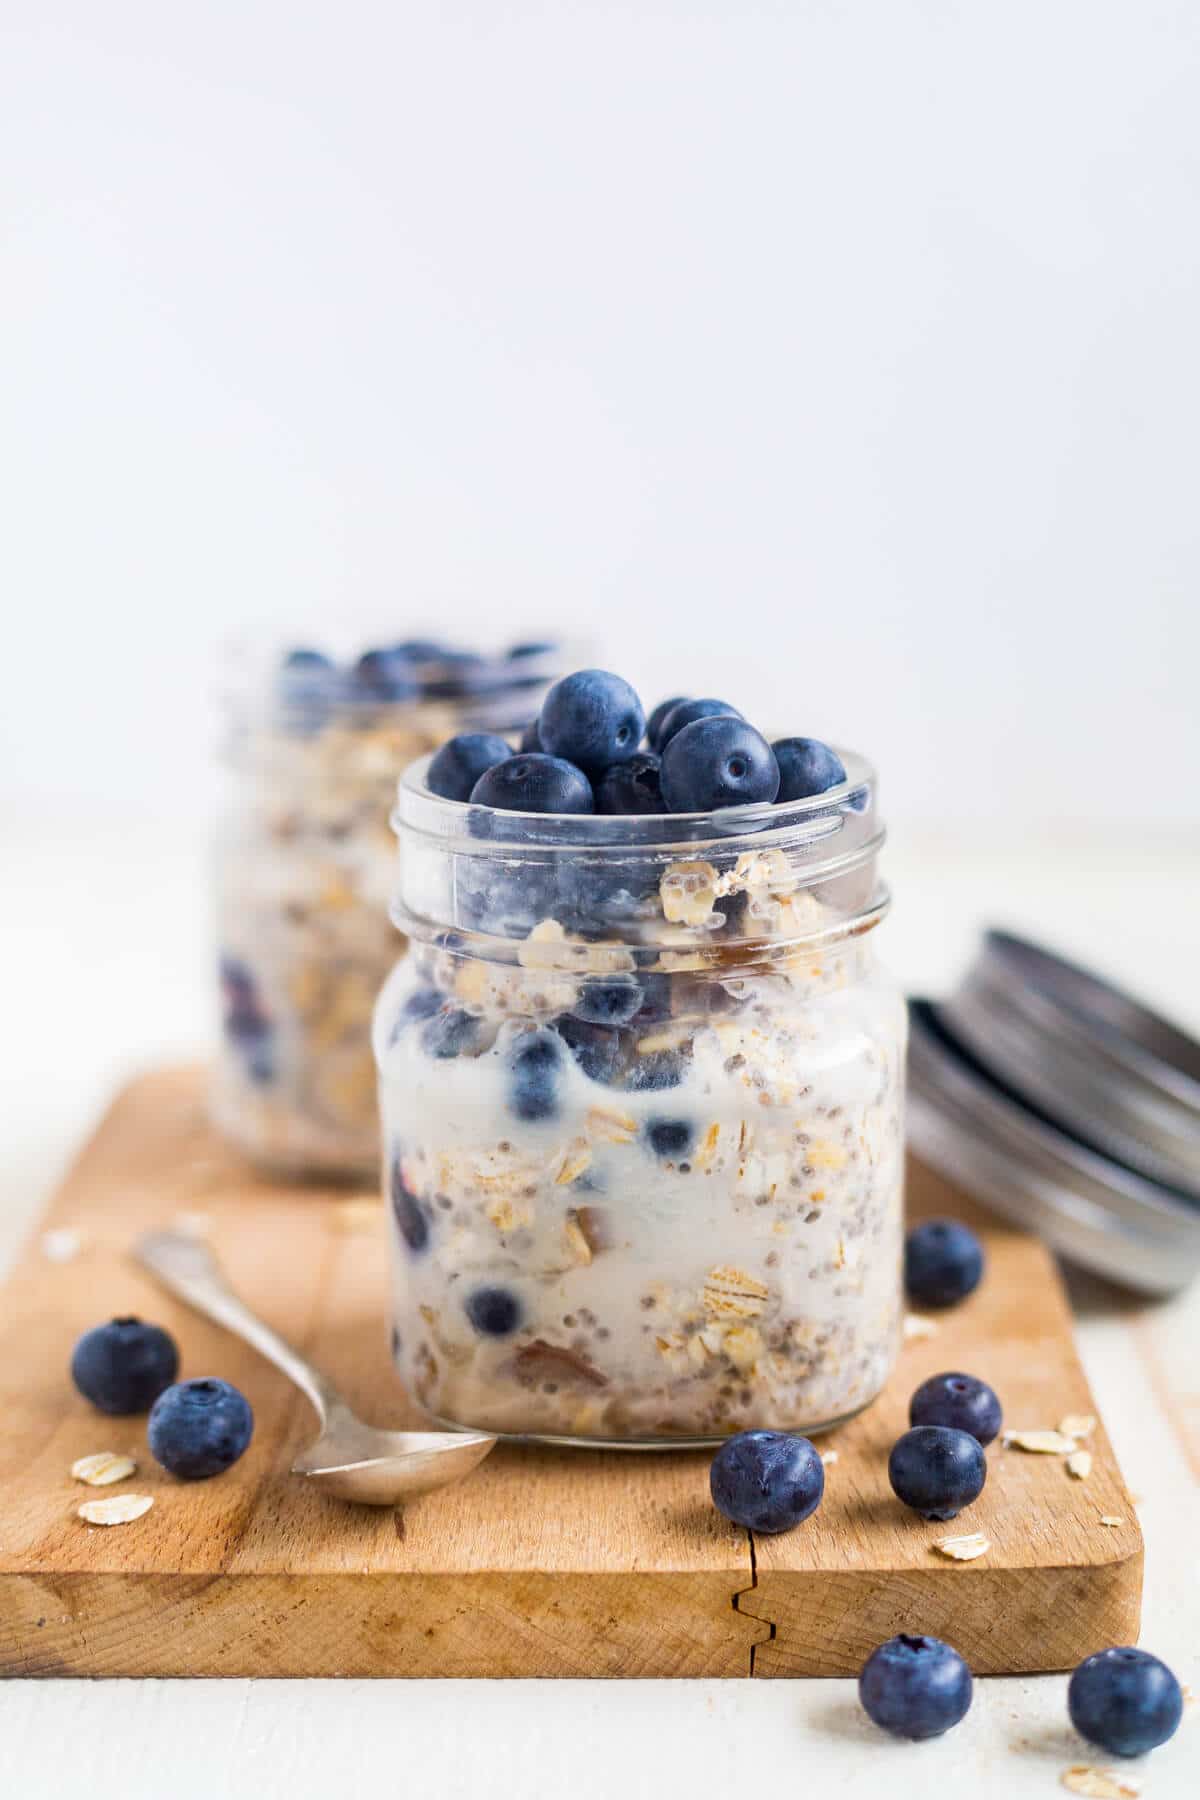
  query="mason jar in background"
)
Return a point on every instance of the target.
[
  {"x": 641, "y": 1081},
  {"x": 303, "y": 873}
]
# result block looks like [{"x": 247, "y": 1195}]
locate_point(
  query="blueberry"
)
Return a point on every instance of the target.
[
  {"x": 533, "y": 782},
  {"x": 535, "y": 1072},
  {"x": 656, "y": 1070},
  {"x": 592, "y": 718},
  {"x": 421, "y": 1004},
  {"x": 687, "y": 712},
  {"x": 596, "y": 1048},
  {"x": 937, "y": 1470},
  {"x": 308, "y": 686},
  {"x": 959, "y": 1401},
  {"x": 717, "y": 762},
  {"x": 531, "y": 738},
  {"x": 943, "y": 1262},
  {"x": 457, "y": 766},
  {"x": 631, "y": 787},
  {"x": 199, "y": 1428},
  {"x": 411, "y": 1217},
  {"x": 383, "y": 676},
  {"x": 518, "y": 652},
  {"x": 450, "y": 1032},
  {"x": 494, "y": 1311},
  {"x": 123, "y": 1367},
  {"x": 806, "y": 767},
  {"x": 915, "y": 1687},
  {"x": 611, "y": 1001},
  {"x": 462, "y": 672},
  {"x": 654, "y": 723},
  {"x": 1125, "y": 1700},
  {"x": 670, "y": 1138},
  {"x": 418, "y": 650},
  {"x": 767, "y": 1480}
]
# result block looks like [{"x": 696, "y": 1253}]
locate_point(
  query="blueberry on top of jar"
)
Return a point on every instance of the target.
[
  {"x": 632, "y": 787},
  {"x": 654, "y": 723},
  {"x": 536, "y": 783},
  {"x": 806, "y": 767},
  {"x": 686, "y": 713},
  {"x": 593, "y": 719},
  {"x": 457, "y": 766},
  {"x": 383, "y": 676},
  {"x": 717, "y": 762}
]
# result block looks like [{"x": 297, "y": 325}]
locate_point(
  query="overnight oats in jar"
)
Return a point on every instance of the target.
[
  {"x": 304, "y": 868},
  {"x": 641, "y": 1084}
]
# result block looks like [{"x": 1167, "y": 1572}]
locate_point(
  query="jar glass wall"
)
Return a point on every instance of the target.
[
  {"x": 642, "y": 1114},
  {"x": 303, "y": 870}
]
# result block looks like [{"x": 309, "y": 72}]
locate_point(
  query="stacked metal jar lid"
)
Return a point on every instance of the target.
[{"x": 1066, "y": 1105}]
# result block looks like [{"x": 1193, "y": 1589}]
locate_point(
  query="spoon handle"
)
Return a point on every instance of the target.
[{"x": 188, "y": 1268}]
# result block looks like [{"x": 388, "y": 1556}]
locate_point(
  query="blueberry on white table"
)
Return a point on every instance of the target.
[
  {"x": 915, "y": 1687},
  {"x": 122, "y": 1367},
  {"x": 1125, "y": 1700}
]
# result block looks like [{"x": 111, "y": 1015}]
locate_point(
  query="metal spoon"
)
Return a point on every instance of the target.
[{"x": 349, "y": 1459}]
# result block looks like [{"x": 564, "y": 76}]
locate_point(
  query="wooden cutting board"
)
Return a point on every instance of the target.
[{"x": 544, "y": 1562}]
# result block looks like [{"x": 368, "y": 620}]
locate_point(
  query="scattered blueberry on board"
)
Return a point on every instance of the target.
[
  {"x": 199, "y": 1428},
  {"x": 943, "y": 1262},
  {"x": 767, "y": 1480},
  {"x": 915, "y": 1687},
  {"x": 937, "y": 1470},
  {"x": 961, "y": 1401},
  {"x": 1124, "y": 1700},
  {"x": 593, "y": 749},
  {"x": 123, "y": 1367}
]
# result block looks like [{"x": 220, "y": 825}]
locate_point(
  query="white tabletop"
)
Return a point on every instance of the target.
[{"x": 95, "y": 988}]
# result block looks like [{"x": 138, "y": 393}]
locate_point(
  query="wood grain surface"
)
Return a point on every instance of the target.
[{"x": 544, "y": 1562}]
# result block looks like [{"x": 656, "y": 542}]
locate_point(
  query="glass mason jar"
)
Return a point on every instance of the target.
[
  {"x": 641, "y": 1083},
  {"x": 304, "y": 862}
]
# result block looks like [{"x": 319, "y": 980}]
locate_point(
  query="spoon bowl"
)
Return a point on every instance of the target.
[{"x": 349, "y": 1459}]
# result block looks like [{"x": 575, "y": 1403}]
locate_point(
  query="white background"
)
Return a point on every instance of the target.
[{"x": 839, "y": 358}]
